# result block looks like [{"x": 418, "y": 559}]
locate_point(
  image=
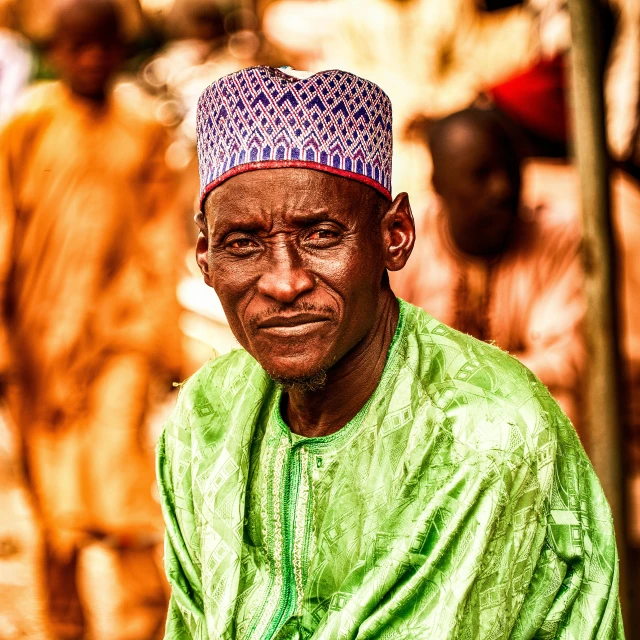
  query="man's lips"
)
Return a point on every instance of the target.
[
  {"x": 292, "y": 324},
  {"x": 291, "y": 320}
]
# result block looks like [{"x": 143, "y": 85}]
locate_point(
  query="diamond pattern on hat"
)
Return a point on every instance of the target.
[{"x": 261, "y": 117}]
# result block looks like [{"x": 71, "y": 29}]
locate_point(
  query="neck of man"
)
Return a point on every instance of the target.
[
  {"x": 97, "y": 102},
  {"x": 468, "y": 247},
  {"x": 94, "y": 102},
  {"x": 350, "y": 383}
]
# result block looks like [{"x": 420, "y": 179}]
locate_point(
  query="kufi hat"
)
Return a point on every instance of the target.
[{"x": 261, "y": 118}]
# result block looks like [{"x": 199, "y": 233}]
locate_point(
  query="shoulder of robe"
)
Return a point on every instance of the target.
[
  {"x": 219, "y": 385},
  {"x": 41, "y": 96},
  {"x": 38, "y": 104},
  {"x": 490, "y": 400}
]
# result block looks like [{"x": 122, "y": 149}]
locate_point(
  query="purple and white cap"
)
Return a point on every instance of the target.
[{"x": 261, "y": 118}]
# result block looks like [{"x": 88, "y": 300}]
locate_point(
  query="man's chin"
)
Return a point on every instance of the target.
[{"x": 297, "y": 368}]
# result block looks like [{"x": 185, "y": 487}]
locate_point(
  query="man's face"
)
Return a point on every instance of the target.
[
  {"x": 478, "y": 179},
  {"x": 87, "y": 51},
  {"x": 296, "y": 257}
]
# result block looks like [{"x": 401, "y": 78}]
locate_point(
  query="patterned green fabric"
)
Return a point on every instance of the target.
[{"x": 458, "y": 503}]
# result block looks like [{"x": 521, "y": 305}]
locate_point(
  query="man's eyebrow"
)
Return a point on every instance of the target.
[
  {"x": 311, "y": 215},
  {"x": 224, "y": 226},
  {"x": 304, "y": 217},
  {"x": 322, "y": 214}
]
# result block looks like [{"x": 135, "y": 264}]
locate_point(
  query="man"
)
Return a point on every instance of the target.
[
  {"x": 488, "y": 266},
  {"x": 89, "y": 315},
  {"x": 358, "y": 469}
]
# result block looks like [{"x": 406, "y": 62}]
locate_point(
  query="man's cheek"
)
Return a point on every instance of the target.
[
  {"x": 338, "y": 270},
  {"x": 231, "y": 280},
  {"x": 231, "y": 298}
]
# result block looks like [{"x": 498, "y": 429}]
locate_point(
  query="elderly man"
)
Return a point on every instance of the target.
[
  {"x": 488, "y": 265},
  {"x": 359, "y": 469}
]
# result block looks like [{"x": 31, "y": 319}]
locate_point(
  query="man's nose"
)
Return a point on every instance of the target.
[
  {"x": 501, "y": 186},
  {"x": 92, "y": 54},
  {"x": 285, "y": 278}
]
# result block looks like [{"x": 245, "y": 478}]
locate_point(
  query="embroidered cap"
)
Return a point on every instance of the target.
[{"x": 261, "y": 118}]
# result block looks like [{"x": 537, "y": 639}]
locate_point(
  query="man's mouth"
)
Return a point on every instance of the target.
[{"x": 292, "y": 324}]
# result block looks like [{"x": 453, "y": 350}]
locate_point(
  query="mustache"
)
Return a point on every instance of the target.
[{"x": 300, "y": 307}]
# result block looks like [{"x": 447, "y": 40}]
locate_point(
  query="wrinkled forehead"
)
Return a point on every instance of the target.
[{"x": 291, "y": 192}]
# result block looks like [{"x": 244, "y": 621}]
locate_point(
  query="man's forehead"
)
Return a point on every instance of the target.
[
  {"x": 299, "y": 192},
  {"x": 92, "y": 19},
  {"x": 288, "y": 181},
  {"x": 224, "y": 219},
  {"x": 468, "y": 137}
]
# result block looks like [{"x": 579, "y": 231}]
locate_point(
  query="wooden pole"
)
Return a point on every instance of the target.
[{"x": 603, "y": 397}]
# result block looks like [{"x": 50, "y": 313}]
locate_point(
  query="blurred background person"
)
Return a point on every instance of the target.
[
  {"x": 489, "y": 266},
  {"x": 89, "y": 244}
]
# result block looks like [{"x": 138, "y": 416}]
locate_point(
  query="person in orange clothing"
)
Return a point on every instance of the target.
[
  {"x": 89, "y": 244},
  {"x": 489, "y": 266}
]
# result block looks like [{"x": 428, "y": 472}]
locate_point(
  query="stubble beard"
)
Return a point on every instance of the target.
[{"x": 314, "y": 382}]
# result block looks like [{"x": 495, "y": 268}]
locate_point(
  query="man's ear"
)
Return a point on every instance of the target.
[
  {"x": 202, "y": 247},
  {"x": 398, "y": 233}
]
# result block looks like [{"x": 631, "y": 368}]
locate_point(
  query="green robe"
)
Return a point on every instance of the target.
[{"x": 458, "y": 503}]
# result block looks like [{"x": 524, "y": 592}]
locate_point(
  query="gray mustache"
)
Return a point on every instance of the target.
[{"x": 300, "y": 307}]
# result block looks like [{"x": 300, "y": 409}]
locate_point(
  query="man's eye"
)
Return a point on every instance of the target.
[
  {"x": 240, "y": 245},
  {"x": 322, "y": 235}
]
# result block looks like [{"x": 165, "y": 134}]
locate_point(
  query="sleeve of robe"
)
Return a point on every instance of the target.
[
  {"x": 185, "y": 617},
  {"x": 573, "y": 592}
]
